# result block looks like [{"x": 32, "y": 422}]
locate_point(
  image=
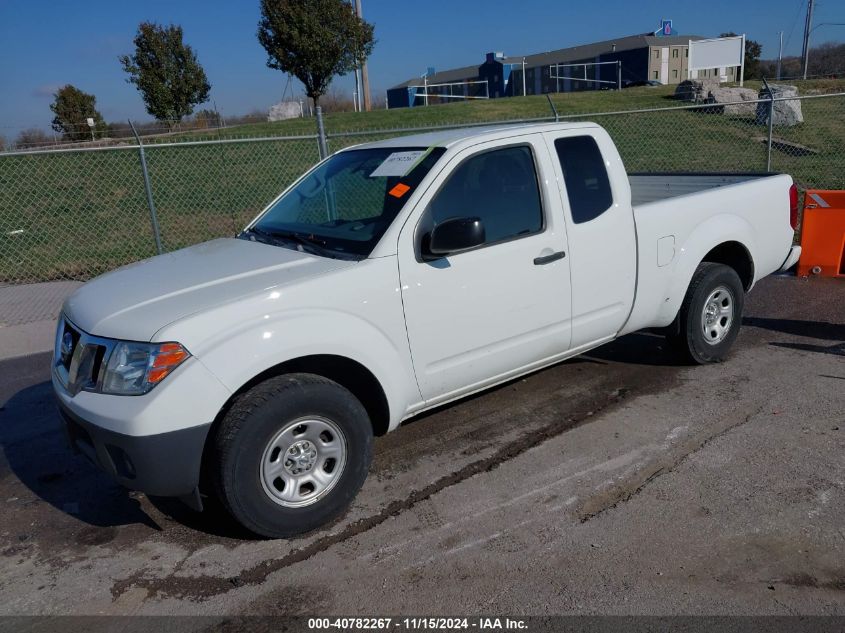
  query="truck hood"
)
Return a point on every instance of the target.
[{"x": 136, "y": 301}]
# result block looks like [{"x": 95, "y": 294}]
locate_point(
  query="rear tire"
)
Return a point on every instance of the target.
[
  {"x": 710, "y": 315},
  {"x": 291, "y": 454}
]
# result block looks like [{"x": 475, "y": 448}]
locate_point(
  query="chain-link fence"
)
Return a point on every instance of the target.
[
  {"x": 806, "y": 138},
  {"x": 72, "y": 214}
]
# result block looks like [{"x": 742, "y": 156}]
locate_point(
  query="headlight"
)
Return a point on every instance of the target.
[{"x": 135, "y": 368}]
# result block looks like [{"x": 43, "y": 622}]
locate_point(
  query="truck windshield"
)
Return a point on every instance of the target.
[{"x": 342, "y": 208}]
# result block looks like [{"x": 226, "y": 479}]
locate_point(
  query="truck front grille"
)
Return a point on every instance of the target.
[{"x": 79, "y": 357}]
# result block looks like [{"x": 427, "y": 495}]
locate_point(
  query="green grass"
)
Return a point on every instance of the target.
[
  {"x": 480, "y": 111},
  {"x": 74, "y": 215},
  {"x": 77, "y": 214},
  {"x": 465, "y": 112}
]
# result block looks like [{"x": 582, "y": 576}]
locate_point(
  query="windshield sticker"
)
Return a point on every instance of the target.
[
  {"x": 399, "y": 190},
  {"x": 397, "y": 164}
]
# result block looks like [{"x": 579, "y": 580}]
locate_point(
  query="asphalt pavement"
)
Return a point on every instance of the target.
[{"x": 615, "y": 483}]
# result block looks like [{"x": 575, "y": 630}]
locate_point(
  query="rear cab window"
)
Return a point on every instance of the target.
[{"x": 585, "y": 176}]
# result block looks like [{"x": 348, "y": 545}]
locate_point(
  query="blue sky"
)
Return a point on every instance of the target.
[{"x": 45, "y": 44}]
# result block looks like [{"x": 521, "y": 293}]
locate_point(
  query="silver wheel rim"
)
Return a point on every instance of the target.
[
  {"x": 303, "y": 462},
  {"x": 717, "y": 315}
]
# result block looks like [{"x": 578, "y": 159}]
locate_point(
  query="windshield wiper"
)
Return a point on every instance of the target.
[
  {"x": 314, "y": 245},
  {"x": 265, "y": 236},
  {"x": 306, "y": 241}
]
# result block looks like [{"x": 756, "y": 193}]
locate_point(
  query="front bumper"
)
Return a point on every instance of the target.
[
  {"x": 152, "y": 442},
  {"x": 164, "y": 464}
]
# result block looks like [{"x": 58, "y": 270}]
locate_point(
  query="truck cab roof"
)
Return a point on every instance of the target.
[{"x": 472, "y": 135}]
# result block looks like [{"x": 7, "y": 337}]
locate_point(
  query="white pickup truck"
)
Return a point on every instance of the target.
[{"x": 389, "y": 279}]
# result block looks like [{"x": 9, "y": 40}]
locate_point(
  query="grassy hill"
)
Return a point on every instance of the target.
[
  {"x": 480, "y": 111},
  {"x": 74, "y": 214}
]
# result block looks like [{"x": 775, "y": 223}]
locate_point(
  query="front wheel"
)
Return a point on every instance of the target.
[
  {"x": 291, "y": 454},
  {"x": 710, "y": 315}
]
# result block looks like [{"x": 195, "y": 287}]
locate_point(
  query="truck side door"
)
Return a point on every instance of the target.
[
  {"x": 602, "y": 236},
  {"x": 477, "y": 316}
]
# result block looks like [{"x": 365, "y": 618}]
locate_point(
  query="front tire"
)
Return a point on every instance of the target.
[
  {"x": 710, "y": 315},
  {"x": 291, "y": 454}
]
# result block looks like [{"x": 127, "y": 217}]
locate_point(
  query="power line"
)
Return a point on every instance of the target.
[{"x": 801, "y": 4}]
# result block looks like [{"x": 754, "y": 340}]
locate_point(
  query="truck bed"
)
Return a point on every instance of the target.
[
  {"x": 653, "y": 186},
  {"x": 680, "y": 217}
]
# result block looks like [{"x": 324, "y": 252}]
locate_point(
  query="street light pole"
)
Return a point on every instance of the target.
[{"x": 780, "y": 56}]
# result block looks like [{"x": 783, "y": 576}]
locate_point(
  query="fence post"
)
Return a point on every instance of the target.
[
  {"x": 148, "y": 189},
  {"x": 552, "y": 106},
  {"x": 771, "y": 124},
  {"x": 321, "y": 134}
]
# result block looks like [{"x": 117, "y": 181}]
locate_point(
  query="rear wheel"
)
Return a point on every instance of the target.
[
  {"x": 710, "y": 315},
  {"x": 291, "y": 454}
]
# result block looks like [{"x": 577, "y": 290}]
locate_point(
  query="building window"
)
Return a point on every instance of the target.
[
  {"x": 675, "y": 53},
  {"x": 655, "y": 75},
  {"x": 675, "y": 74},
  {"x": 656, "y": 53},
  {"x": 686, "y": 52}
]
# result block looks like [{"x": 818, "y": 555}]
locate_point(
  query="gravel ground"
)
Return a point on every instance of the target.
[{"x": 615, "y": 483}]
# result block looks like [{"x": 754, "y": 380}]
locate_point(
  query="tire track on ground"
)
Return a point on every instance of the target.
[{"x": 563, "y": 419}]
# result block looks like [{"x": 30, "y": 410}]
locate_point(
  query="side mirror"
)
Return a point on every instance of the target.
[{"x": 456, "y": 235}]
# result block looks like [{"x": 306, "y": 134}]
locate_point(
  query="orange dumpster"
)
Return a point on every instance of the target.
[{"x": 823, "y": 234}]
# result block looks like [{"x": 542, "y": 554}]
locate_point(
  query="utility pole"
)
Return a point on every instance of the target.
[
  {"x": 780, "y": 55},
  {"x": 365, "y": 76},
  {"x": 805, "y": 54}
]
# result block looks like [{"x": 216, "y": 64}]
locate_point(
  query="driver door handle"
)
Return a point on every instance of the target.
[{"x": 548, "y": 259}]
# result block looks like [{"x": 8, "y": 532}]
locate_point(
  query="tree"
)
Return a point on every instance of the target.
[
  {"x": 336, "y": 101},
  {"x": 827, "y": 59},
  {"x": 32, "y": 137},
  {"x": 73, "y": 108},
  {"x": 207, "y": 119},
  {"x": 753, "y": 50},
  {"x": 166, "y": 72},
  {"x": 314, "y": 40}
]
